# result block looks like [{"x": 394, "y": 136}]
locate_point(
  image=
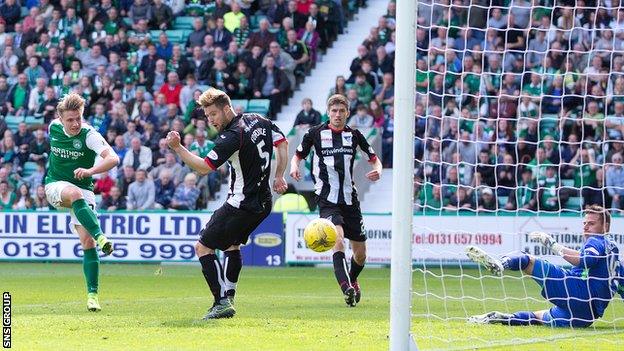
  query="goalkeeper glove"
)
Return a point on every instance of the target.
[{"x": 548, "y": 241}]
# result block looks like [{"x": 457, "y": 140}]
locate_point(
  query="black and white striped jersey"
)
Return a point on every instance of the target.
[
  {"x": 332, "y": 163},
  {"x": 246, "y": 143}
]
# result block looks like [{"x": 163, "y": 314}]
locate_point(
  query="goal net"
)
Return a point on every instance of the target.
[{"x": 519, "y": 127}]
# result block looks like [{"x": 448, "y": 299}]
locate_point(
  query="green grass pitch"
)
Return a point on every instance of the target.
[{"x": 278, "y": 309}]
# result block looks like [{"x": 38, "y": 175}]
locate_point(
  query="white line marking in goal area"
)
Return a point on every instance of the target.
[{"x": 534, "y": 341}]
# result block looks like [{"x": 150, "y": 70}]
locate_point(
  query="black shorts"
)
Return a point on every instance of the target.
[
  {"x": 230, "y": 226},
  {"x": 348, "y": 216}
]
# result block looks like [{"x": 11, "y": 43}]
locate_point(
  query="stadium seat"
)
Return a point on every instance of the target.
[
  {"x": 127, "y": 21},
  {"x": 260, "y": 106},
  {"x": 29, "y": 168},
  {"x": 13, "y": 121},
  {"x": 183, "y": 22},
  {"x": 175, "y": 35},
  {"x": 254, "y": 21},
  {"x": 33, "y": 120},
  {"x": 242, "y": 103},
  {"x": 23, "y": 11}
]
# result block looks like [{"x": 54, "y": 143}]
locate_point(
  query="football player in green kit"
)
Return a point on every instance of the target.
[{"x": 74, "y": 147}]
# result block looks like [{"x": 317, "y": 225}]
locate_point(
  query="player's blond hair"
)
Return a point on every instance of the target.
[
  {"x": 605, "y": 216},
  {"x": 337, "y": 99},
  {"x": 71, "y": 102},
  {"x": 215, "y": 97}
]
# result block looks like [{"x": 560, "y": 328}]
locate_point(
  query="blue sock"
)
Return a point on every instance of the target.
[
  {"x": 524, "y": 318},
  {"x": 516, "y": 263}
]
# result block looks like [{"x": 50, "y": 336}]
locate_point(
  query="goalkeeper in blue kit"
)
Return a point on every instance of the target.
[{"x": 580, "y": 295}]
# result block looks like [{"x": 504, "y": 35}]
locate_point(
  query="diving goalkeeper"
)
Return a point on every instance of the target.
[{"x": 580, "y": 294}]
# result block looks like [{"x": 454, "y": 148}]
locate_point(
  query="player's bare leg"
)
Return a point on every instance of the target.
[
  {"x": 357, "y": 265},
  {"x": 213, "y": 273},
  {"x": 71, "y": 197},
  {"x": 90, "y": 267},
  {"x": 340, "y": 268},
  {"x": 232, "y": 265}
]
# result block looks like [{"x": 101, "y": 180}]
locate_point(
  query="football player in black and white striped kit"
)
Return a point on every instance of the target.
[
  {"x": 246, "y": 143},
  {"x": 335, "y": 145}
]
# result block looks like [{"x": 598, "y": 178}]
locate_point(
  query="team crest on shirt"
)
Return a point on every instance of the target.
[
  {"x": 213, "y": 155},
  {"x": 77, "y": 144},
  {"x": 347, "y": 139}
]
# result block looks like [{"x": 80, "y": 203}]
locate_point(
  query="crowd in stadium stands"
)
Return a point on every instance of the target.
[
  {"x": 520, "y": 105},
  {"x": 140, "y": 65}
]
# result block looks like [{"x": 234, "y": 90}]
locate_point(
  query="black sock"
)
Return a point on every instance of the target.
[
  {"x": 340, "y": 270},
  {"x": 355, "y": 270},
  {"x": 232, "y": 264},
  {"x": 213, "y": 272}
]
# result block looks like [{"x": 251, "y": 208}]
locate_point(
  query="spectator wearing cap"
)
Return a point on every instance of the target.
[
  {"x": 128, "y": 91},
  {"x": 186, "y": 194},
  {"x": 487, "y": 201},
  {"x": 308, "y": 116}
]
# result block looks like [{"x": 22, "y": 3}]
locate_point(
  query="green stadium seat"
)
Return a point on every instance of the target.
[
  {"x": 183, "y": 22},
  {"x": 254, "y": 21},
  {"x": 13, "y": 121},
  {"x": 33, "y": 120},
  {"x": 23, "y": 12},
  {"x": 29, "y": 168},
  {"x": 260, "y": 106},
  {"x": 127, "y": 21},
  {"x": 175, "y": 35},
  {"x": 154, "y": 34},
  {"x": 241, "y": 103}
]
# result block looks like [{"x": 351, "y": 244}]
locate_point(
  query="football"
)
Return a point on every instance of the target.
[{"x": 320, "y": 235}]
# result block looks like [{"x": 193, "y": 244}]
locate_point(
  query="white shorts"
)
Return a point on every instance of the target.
[{"x": 53, "y": 193}]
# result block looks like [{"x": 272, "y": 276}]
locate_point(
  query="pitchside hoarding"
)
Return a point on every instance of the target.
[
  {"x": 138, "y": 237},
  {"x": 446, "y": 237}
]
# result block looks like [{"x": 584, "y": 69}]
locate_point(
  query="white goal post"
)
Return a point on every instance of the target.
[{"x": 403, "y": 160}]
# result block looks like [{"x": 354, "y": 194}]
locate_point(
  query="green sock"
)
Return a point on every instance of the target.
[
  {"x": 91, "y": 268},
  {"x": 87, "y": 218}
]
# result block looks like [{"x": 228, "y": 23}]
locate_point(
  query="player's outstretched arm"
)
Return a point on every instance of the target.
[
  {"x": 570, "y": 255},
  {"x": 195, "y": 162},
  {"x": 109, "y": 160},
  {"x": 279, "y": 184}
]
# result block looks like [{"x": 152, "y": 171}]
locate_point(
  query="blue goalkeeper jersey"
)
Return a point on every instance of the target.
[{"x": 601, "y": 268}]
